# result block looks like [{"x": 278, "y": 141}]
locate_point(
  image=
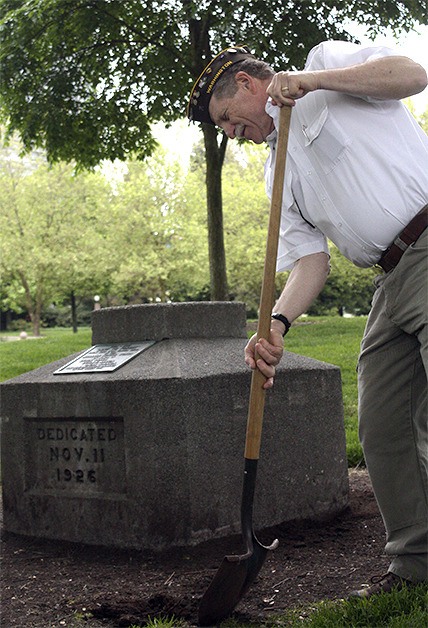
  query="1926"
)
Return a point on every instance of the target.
[{"x": 78, "y": 475}]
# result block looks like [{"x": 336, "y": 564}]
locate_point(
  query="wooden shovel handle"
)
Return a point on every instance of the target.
[{"x": 257, "y": 392}]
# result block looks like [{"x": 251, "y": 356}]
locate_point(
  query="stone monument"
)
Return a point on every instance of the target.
[{"x": 139, "y": 441}]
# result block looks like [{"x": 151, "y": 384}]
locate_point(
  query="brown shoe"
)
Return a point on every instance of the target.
[{"x": 382, "y": 584}]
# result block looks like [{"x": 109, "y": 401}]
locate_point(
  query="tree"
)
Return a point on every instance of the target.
[
  {"x": 52, "y": 234},
  {"x": 161, "y": 232},
  {"x": 246, "y": 210},
  {"x": 86, "y": 78}
]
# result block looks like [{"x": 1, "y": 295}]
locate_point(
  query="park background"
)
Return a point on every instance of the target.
[{"x": 131, "y": 232}]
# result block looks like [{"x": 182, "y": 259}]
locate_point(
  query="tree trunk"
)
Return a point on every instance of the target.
[
  {"x": 37, "y": 314},
  {"x": 33, "y": 309},
  {"x": 199, "y": 31},
  {"x": 214, "y": 154},
  {"x": 73, "y": 312}
]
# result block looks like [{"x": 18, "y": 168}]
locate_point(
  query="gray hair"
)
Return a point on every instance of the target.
[{"x": 226, "y": 86}]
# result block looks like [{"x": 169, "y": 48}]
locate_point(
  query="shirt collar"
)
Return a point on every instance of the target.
[{"x": 273, "y": 112}]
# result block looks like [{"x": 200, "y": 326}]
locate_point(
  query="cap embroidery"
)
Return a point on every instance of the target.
[{"x": 197, "y": 109}]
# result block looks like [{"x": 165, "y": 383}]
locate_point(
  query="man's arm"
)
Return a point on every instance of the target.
[
  {"x": 392, "y": 77},
  {"x": 305, "y": 282}
]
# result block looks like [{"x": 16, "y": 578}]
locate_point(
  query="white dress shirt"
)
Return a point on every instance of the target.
[{"x": 357, "y": 168}]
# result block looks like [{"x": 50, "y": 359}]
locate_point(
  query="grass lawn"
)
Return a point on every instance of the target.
[{"x": 20, "y": 356}]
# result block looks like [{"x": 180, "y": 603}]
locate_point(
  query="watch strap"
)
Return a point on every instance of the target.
[{"x": 284, "y": 320}]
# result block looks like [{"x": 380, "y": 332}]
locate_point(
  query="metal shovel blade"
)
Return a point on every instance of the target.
[
  {"x": 231, "y": 582},
  {"x": 236, "y": 573}
]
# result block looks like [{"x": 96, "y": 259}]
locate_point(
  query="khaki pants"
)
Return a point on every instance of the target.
[{"x": 392, "y": 376}]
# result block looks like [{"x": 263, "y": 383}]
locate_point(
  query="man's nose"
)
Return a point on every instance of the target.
[{"x": 229, "y": 129}]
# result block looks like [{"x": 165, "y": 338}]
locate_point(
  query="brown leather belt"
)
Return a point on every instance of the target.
[{"x": 408, "y": 236}]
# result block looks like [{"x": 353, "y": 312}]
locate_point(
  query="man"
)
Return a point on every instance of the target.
[{"x": 357, "y": 174}]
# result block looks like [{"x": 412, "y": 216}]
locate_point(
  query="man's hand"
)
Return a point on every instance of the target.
[
  {"x": 286, "y": 87},
  {"x": 265, "y": 355}
]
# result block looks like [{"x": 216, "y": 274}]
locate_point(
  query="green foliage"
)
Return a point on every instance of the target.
[
  {"x": 86, "y": 79},
  {"x": 161, "y": 233},
  {"x": 246, "y": 215},
  {"x": 53, "y": 229},
  {"x": 159, "y": 622},
  {"x": 142, "y": 239},
  {"x": 423, "y": 120},
  {"x": 60, "y": 314}
]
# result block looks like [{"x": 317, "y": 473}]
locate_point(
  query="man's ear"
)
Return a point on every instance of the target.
[{"x": 245, "y": 81}]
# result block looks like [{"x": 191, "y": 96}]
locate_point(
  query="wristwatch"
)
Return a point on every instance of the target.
[{"x": 284, "y": 320}]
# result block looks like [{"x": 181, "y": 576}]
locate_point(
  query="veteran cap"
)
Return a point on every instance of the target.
[{"x": 200, "y": 96}]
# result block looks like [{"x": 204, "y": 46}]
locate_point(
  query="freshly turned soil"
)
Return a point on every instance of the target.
[{"x": 47, "y": 584}]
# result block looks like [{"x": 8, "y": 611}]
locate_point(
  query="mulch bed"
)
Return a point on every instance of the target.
[{"x": 47, "y": 584}]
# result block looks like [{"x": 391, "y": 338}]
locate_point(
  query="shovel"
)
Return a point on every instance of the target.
[{"x": 236, "y": 573}]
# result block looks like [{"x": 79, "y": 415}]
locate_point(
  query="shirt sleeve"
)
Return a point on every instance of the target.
[
  {"x": 342, "y": 54},
  {"x": 297, "y": 239}
]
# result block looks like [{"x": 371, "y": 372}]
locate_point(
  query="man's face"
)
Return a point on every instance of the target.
[{"x": 243, "y": 115}]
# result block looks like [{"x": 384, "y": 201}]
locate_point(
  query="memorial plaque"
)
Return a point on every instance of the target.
[
  {"x": 104, "y": 358},
  {"x": 83, "y": 456}
]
